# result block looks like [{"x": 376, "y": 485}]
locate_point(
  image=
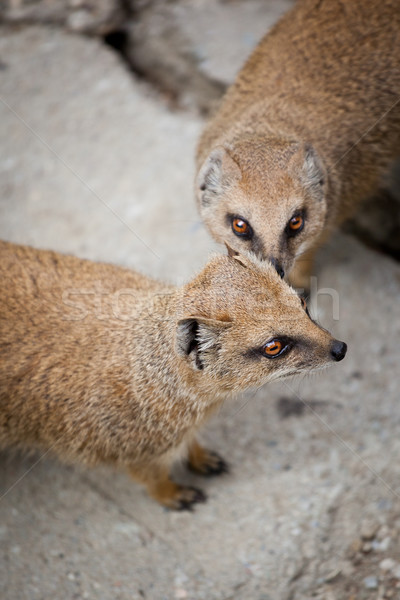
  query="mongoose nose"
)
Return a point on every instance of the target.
[
  {"x": 338, "y": 350},
  {"x": 277, "y": 267}
]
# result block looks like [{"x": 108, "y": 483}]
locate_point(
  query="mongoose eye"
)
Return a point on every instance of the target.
[
  {"x": 274, "y": 348},
  {"x": 241, "y": 228},
  {"x": 296, "y": 224}
]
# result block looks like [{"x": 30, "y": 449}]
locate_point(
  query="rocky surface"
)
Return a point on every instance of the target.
[
  {"x": 93, "y": 162},
  {"x": 190, "y": 49},
  {"x": 96, "y": 17},
  {"x": 107, "y": 154},
  {"x": 194, "y": 49}
]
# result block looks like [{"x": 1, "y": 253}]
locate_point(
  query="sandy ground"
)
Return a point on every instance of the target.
[{"x": 94, "y": 163}]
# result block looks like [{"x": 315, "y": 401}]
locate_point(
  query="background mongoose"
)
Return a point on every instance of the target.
[
  {"x": 101, "y": 364},
  {"x": 308, "y": 130}
]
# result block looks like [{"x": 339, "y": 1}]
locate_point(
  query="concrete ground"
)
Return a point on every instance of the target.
[{"x": 95, "y": 163}]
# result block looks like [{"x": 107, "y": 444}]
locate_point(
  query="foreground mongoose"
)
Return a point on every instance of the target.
[
  {"x": 308, "y": 130},
  {"x": 101, "y": 364}
]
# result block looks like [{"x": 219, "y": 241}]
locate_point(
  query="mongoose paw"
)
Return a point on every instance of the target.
[
  {"x": 209, "y": 465},
  {"x": 187, "y": 497}
]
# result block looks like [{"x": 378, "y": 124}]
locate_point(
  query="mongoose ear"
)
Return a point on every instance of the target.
[
  {"x": 313, "y": 170},
  {"x": 235, "y": 255},
  {"x": 197, "y": 339},
  {"x": 219, "y": 170}
]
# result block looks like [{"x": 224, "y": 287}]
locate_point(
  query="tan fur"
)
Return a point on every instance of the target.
[
  {"x": 310, "y": 123},
  {"x": 101, "y": 364}
]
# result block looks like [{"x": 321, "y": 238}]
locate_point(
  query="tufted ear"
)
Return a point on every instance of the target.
[
  {"x": 198, "y": 339},
  {"x": 313, "y": 170},
  {"x": 219, "y": 170}
]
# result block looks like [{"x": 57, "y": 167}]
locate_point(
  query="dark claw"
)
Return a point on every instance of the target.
[
  {"x": 185, "y": 505},
  {"x": 218, "y": 468},
  {"x": 197, "y": 496},
  {"x": 215, "y": 467}
]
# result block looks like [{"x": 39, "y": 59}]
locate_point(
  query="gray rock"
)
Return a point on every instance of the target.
[
  {"x": 369, "y": 528},
  {"x": 106, "y": 153},
  {"x": 158, "y": 49},
  {"x": 194, "y": 49},
  {"x": 371, "y": 582},
  {"x": 387, "y": 564},
  {"x": 190, "y": 49},
  {"x": 396, "y": 571},
  {"x": 97, "y": 17}
]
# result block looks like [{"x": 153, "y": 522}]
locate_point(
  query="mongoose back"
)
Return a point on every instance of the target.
[
  {"x": 309, "y": 129},
  {"x": 100, "y": 364}
]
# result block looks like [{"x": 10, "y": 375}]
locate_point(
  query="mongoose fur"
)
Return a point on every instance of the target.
[
  {"x": 309, "y": 129},
  {"x": 100, "y": 364}
]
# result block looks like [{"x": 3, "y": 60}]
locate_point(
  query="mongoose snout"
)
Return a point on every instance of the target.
[{"x": 99, "y": 364}]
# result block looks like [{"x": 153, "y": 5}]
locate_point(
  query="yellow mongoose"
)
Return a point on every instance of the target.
[
  {"x": 101, "y": 364},
  {"x": 307, "y": 131}
]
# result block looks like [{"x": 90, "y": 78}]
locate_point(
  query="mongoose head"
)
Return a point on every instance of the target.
[
  {"x": 264, "y": 195},
  {"x": 240, "y": 326}
]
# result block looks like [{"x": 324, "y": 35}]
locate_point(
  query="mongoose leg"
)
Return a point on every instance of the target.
[
  {"x": 165, "y": 491},
  {"x": 205, "y": 462}
]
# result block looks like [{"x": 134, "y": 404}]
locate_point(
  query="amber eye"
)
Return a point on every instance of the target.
[
  {"x": 239, "y": 226},
  {"x": 296, "y": 223},
  {"x": 276, "y": 347},
  {"x": 273, "y": 348}
]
